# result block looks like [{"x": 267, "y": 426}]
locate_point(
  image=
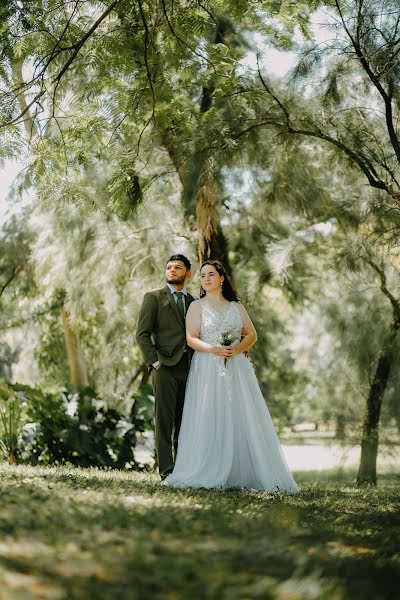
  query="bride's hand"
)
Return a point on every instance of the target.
[
  {"x": 233, "y": 351},
  {"x": 225, "y": 351}
]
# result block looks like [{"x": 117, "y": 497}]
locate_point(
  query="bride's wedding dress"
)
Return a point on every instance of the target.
[{"x": 227, "y": 438}]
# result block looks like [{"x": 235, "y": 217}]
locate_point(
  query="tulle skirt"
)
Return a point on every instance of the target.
[{"x": 227, "y": 438}]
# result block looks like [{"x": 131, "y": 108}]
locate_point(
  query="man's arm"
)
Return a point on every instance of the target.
[{"x": 146, "y": 324}]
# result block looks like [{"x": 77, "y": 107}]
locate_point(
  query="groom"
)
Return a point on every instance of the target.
[{"x": 161, "y": 336}]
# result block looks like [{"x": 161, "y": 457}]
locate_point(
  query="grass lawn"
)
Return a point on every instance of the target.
[{"x": 89, "y": 534}]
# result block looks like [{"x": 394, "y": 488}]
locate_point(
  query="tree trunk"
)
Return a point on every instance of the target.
[
  {"x": 29, "y": 124},
  {"x": 340, "y": 427},
  {"x": 397, "y": 421},
  {"x": 76, "y": 361},
  {"x": 370, "y": 437},
  {"x": 212, "y": 242},
  {"x": 11, "y": 458}
]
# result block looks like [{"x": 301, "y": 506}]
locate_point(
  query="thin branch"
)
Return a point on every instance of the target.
[
  {"x": 55, "y": 52},
  {"x": 382, "y": 275},
  {"x": 146, "y": 59},
  {"x": 374, "y": 78},
  {"x": 12, "y": 277},
  {"x": 255, "y": 126},
  {"x": 183, "y": 42},
  {"x": 270, "y": 92},
  {"x": 22, "y": 113},
  {"x": 77, "y": 47},
  {"x": 373, "y": 181},
  {"x": 208, "y": 12},
  {"x": 363, "y": 163},
  {"x": 149, "y": 76}
]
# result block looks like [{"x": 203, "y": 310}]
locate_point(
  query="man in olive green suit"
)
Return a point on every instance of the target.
[{"x": 161, "y": 335}]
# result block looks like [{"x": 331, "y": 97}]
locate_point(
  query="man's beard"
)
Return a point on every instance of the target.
[{"x": 176, "y": 281}]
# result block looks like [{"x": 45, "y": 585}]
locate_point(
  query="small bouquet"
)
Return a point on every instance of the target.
[{"x": 227, "y": 339}]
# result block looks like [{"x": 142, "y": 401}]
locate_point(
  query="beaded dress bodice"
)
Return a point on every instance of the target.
[{"x": 215, "y": 322}]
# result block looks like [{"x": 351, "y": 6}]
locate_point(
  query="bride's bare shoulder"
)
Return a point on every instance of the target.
[
  {"x": 195, "y": 306},
  {"x": 242, "y": 309}
]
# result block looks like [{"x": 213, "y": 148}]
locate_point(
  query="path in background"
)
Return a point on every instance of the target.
[
  {"x": 319, "y": 457},
  {"x": 324, "y": 457}
]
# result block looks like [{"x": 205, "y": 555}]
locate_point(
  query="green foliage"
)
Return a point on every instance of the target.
[
  {"x": 11, "y": 408},
  {"x": 80, "y": 429},
  {"x": 8, "y": 357},
  {"x": 49, "y": 352}
]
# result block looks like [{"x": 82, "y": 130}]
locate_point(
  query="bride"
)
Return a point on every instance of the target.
[{"x": 227, "y": 439}]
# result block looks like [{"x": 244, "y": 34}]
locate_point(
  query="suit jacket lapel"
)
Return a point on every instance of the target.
[{"x": 174, "y": 307}]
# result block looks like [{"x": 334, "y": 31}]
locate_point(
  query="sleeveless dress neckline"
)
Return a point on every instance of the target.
[{"x": 203, "y": 302}]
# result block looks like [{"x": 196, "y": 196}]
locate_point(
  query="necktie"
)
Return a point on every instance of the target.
[{"x": 179, "y": 303}]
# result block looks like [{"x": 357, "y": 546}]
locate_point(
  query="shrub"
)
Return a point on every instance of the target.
[
  {"x": 80, "y": 429},
  {"x": 10, "y": 422}
]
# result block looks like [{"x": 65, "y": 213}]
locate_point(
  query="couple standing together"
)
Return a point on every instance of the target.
[{"x": 212, "y": 426}]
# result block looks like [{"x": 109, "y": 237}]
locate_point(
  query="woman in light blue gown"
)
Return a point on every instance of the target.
[{"x": 227, "y": 438}]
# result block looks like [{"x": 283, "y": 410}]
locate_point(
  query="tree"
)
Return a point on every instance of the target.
[{"x": 362, "y": 135}]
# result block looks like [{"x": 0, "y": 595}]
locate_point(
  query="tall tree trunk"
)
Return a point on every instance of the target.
[
  {"x": 212, "y": 242},
  {"x": 370, "y": 437},
  {"x": 76, "y": 361},
  {"x": 29, "y": 123},
  {"x": 340, "y": 427}
]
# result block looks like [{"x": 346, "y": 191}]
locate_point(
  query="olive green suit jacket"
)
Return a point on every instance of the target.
[{"x": 161, "y": 332}]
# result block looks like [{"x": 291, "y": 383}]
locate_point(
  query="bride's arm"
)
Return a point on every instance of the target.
[
  {"x": 249, "y": 334},
  {"x": 193, "y": 320}
]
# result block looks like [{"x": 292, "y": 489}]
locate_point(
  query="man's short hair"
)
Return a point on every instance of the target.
[{"x": 181, "y": 257}]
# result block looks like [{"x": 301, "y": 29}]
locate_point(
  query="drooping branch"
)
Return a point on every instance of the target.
[
  {"x": 23, "y": 112},
  {"x": 362, "y": 162},
  {"x": 382, "y": 275},
  {"x": 269, "y": 91},
  {"x": 57, "y": 48},
  {"x": 76, "y": 48},
  {"x": 374, "y": 77},
  {"x": 183, "y": 42}
]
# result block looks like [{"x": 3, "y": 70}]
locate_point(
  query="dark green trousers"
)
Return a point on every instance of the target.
[{"x": 169, "y": 385}]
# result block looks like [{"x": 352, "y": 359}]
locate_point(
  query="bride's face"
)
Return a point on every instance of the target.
[{"x": 210, "y": 279}]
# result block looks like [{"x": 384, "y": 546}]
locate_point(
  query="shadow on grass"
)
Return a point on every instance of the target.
[{"x": 87, "y": 533}]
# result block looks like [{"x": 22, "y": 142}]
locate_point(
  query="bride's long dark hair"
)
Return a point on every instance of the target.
[{"x": 227, "y": 289}]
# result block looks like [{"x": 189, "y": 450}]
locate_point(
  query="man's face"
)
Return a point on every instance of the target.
[{"x": 176, "y": 273}]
